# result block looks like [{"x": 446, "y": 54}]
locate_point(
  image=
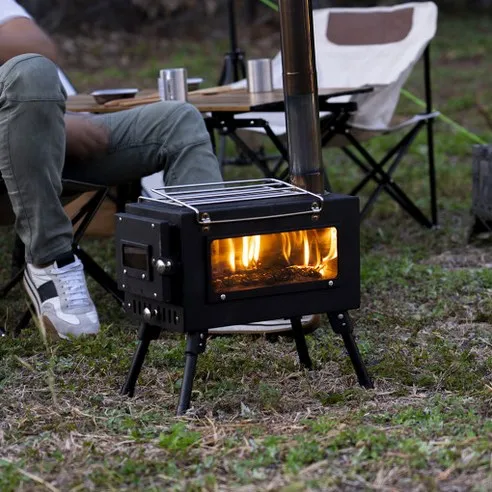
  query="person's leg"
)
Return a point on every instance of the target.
[
  {"x": 167, "y": 136},
  {"x": 32, "y": 153}
]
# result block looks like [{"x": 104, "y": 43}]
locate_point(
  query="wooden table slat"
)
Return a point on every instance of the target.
[{"x": 235, "y": 101}]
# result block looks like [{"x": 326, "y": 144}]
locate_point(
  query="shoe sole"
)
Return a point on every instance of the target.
[
  {"x": 44, "y": 321},
  {"x": 310, "y": 324}
]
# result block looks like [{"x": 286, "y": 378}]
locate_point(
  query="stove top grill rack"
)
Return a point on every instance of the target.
[{"x": 197, "y": 197}]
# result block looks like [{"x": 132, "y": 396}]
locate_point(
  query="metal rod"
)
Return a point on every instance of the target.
[
  {"x": 187, "y": 387},
  {"x": 301, "y": 345},
  {"x": 430, "y": 136},
  {"x": 232, "y": 31},
  {"x": 99, "y": 275},
  {"x": 24, "y": 321},
  {"x": 137, "y": 363},
  {"x": 342, "y": 324},
  {"x": 146, "y": 335},
  {"x": 301, "y": 94},
  {"x": 195, "y": 345},
  {"x": 12, "y": 283},
  {"x": 356, "y": 359}
]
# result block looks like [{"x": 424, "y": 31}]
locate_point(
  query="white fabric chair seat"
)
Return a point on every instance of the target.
[{"x": 383, "y": 66}]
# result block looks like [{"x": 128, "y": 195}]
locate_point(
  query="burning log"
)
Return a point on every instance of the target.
[{"x": 275, "y": 275}]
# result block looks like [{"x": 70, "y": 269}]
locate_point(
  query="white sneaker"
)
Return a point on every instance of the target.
[{"x": 61, "y": 299}]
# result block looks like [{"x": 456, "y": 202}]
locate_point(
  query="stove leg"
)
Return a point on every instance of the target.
[
  {"x": 195, "y": 345},
  {"x": 342, "y": 325},
  {"x": 301, "y": 345},
  {"x": 146, "y": 335}
]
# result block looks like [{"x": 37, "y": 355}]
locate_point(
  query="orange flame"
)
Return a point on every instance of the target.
[{"x": 312, "y": 249}]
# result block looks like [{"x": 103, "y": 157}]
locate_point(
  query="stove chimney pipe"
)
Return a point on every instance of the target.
[{"x": 301, "y": 94}]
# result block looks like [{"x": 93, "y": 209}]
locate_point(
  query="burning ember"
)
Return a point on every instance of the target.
[{"x": 250, "y": 262}]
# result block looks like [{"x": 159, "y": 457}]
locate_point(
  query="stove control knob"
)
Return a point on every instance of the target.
[
  {"x": 163, "y": 266},
  {"x": 147, "y": 314}
]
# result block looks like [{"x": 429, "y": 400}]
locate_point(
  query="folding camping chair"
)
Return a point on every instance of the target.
[
  {"x": 377, "y": 47},
  {"x": 80, "y": 221}
]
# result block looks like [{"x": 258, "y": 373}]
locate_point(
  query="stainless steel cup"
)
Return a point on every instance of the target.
[
  {"x": 260, "y": 75},
  {"x": 174, "y": 86},
  {"x": 161, "y": 88}
]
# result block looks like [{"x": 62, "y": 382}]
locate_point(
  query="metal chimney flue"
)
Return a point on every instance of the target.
[{"x": 301, "y": 94}]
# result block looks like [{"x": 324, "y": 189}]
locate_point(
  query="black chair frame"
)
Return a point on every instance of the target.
[
  {"x": 337, "y": 124},
  {"x": 80, "y": 222},
  {"x": 382, "y": 172}
]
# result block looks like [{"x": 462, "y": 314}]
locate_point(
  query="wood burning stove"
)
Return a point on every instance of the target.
[
  {"x": 201, "y": 257},
  {"x": 242, "y": 252},
  {"x": 212, "y": 255}
]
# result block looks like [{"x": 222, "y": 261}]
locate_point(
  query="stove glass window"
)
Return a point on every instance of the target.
[{"x": 266, "y": 260}]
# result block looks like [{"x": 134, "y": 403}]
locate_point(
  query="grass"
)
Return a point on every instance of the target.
[{"x": 259, "y": 422}]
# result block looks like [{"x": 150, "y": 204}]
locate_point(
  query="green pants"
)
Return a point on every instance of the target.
[{"x": 167, "y": 136}]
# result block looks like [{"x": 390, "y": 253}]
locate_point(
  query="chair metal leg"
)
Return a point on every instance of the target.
[
  {"x": 82, "y": 218},
  {"x": 99, "y": 275},
  {"x": 432, "y": 172},
  {"x": 430, "y": 134},
  {"x": 24, "y": 321},
  {"x": 18, "y": 255},
  {"x": 251, "y": 154},
  {"x": 384, "y": 178},
  {"x": 12, "y": 283}
]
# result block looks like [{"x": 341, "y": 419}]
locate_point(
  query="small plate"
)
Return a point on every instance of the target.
[
  {"x": 105, "y": 95},
  {"x": 194, "y": 84}
]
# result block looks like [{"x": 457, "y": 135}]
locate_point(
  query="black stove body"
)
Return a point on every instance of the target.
[
  {"x": 165, "y": 261},
  {"x": 209, "y": 256}
]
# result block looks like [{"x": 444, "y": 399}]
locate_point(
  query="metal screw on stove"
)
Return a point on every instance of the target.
[
  {"x": 223, "y": 297},
  {"x": 124, "y": 271},
  {"x": 205, "y": 217},
  {"x": 176, "y": 319},
  {"x": 144, "y": 276},
  {"x": 155, "y": 294},
  {"x": 152, "y": 225},
  {"x": 330, "y": 283},
  {"x": 123, "y": 286},
  {"x": 129, "y": 304},
  {"x": 315, "y": 207},
  {"x": 120, "y": 218},
  {"x": 147, "y": 314},
  {"x": 315, "y": 218},
  {"x": 340, "y": 316}
]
